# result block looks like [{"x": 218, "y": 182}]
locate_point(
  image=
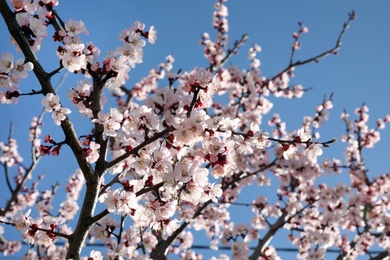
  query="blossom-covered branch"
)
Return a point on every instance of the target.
[{"x": 170, "y": 155}]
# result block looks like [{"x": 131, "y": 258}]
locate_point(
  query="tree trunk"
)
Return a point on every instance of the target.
[{"x": 84, "y": 224}]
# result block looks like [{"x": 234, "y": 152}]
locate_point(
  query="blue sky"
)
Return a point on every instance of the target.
[{"x": 358, "y": 74}]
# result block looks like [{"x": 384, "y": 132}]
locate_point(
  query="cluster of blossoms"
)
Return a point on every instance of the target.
[
  {"x": 29, "y": 228},
  {"x": 52, "y": 104},
  {"x": 312, "y": 150},
  {"x": 127, "y": 56},
  {"x": 75, "y": 54},
  {"x": 81, "y": 97},
  {"x": 33, "y": 17},
  {"x": 182, "y": 157},
  {"x": 40, "y": 231},
  {"x": 302, "y": 29},
  {"x": 215, "y": 51},
  {"x": 10, "y": 154},
  {"x": 10, "y": 75},
  {"x": 34, "y": 134}
]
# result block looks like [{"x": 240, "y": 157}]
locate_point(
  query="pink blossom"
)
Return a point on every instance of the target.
[
  {"x": 73, "y": 27},
  {"x": 137, "y": 26},
  {"x": 313, "y": 151},
  {"x": 10, "y": 154},
  {"x": 5, "y": 81},
  {"x": 189, "y": 254},
  {"x": 81, "y": 97},
  {"x": 6, "y": 62},
  {"x": 11, "y": 247},
  {"x": 68, "y": 209},
  {"x": 56, "y": 150},
  {"x": 215, "y": 192},
  {"x": 20, "y": 69},
  {"x": 38, "y": 27},
  {"x": 289, "y": 151},
  {"x": 260, "y": 140},
  {"x": 120, "y": 202},
  {"x": 119, "y": 64},
  {"x": 23, "y": 222},
  {"x": 95, "y": 255},
  {"x": 149, "y": 118},
  {"x": 149, "y": 241},
  {"x": 51, "y": 102},
  {"x": 19, "y": 5},
  {"x": 110, "y": 121},
  {"x": 59, "y": 115},
  {"x": 200, "y": 177},
  {"x": 203, "y": 77},
  {"x": 152, "y": 35},
  {"x": 132, "y": 54},
  {"x": 218, "y": 171},
  {"x": 165, "y": 210},
  {"x": 93, "y": 152},
  {"x": 44, "y": 239},
  {"x": 303, "y": 134},
  {"x": 240, "y": 250},
  {"x": 74, "y": 61},
  {"x": 315, "y": 254}
]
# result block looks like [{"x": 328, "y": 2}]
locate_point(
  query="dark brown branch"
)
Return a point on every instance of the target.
[
  {"x": 128, "y": 93},
  {"x": 84, "y": 223},
  {"x": 51, "y": 74},
  {"x": 54, "y": 23},
  {"x": 193, "y": 101},
  {"x": 133, "y": 152},
  {"x": 382, "y": 255},
  {"x": 100, "y": 166},
  {"x": 232, "y": 51},
  {"x": 122, "y": 223},
  {"x": 32, "y": 93},
  {"x": 7, "y": 179},
  {"x": 49, "y": 231}
]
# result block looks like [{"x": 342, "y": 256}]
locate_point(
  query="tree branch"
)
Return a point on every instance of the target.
[
  {"x": 44, "y": 80},
  {"x": 17, "y": 33},
  {"x": 49, "y": 231},
  {"x": 351, "y": 17},
  {"x": 268, "y": 237}
]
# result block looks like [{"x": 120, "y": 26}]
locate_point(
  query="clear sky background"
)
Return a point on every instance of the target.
[{"x": 360, "y": 73}]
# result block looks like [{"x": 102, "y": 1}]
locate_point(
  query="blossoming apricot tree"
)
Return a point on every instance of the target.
[{"x": 171, "y": 154}]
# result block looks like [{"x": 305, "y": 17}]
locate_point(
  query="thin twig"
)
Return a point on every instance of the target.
[
  {"x": 49, "y": 231},
  {"x": 232, "y": 51}
]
